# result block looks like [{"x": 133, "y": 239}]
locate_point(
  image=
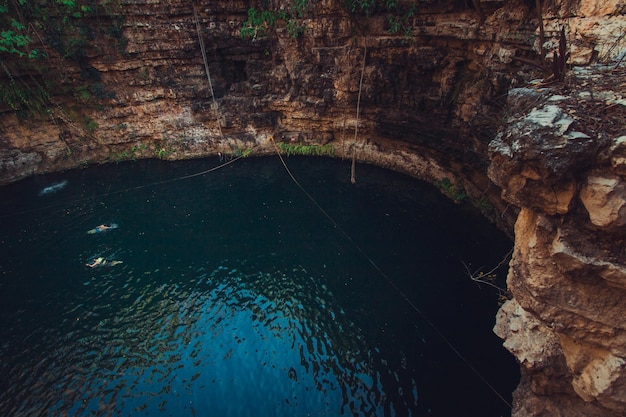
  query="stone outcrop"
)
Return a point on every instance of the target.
[
  {"x": 448, "y": 97},
  {"x": 604, "y": 198},
  {"x": 568, "y": 273}
]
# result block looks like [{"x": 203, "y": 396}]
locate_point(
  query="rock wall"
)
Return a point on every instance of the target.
[
  {"x": 429, "y": 102},
  {"x": 449, "y": 99},
  {"x": 565, "y": 323}
]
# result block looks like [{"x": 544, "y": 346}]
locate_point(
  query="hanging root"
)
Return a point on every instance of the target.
[
  {"x": 353, "y": 169},
  {"x": 358, "y": 109},
  {"x": 208, "y": 74},
  {"x": 489, "y": 277}
]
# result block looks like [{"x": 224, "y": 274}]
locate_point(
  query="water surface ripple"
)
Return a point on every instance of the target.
[{"x": 235, "y": 296}]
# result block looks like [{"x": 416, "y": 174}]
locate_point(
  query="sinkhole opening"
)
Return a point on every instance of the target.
[{"x": 234, "y": 292}]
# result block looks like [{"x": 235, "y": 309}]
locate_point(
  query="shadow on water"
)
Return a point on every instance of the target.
[{"x": 235, "y": 295}]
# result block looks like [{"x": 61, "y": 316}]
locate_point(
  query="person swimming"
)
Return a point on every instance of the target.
[
  {"x": 96, "y": 262},
  {"x": 102, "y": 228},
  {"x": 53, "y": 188},
  {"x": 100, "y": 261}
]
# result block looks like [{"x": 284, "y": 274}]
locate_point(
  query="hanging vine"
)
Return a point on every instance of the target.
[{"x": 358, "y": 109}]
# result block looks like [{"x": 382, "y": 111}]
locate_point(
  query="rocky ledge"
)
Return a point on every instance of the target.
[{"x": 561, "y": 158}]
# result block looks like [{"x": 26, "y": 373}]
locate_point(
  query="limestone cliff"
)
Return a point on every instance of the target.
[
  {"x": 430, "y": 100},
  {"x": 443, "y": 93},
  {"x": 562, "y": 162}
]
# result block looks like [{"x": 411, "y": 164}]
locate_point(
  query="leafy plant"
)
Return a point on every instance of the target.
[
  {"x": 243, "y": 152},
  {"x": 295, "y": 29},
  {"x": 454, "y": 191},
  {"x": 13, "y": 40},
  {"x": 55, "y": 26},
  {"x": 306, "y": 150},
  {"x": 399, "y": 21},
  {"x": 162, "y": 149},
  {"x": 365, "y": 6},
  {"x": 401, "y": 10},
  {"x": 484, "y": 205},
  {"x": 120, "y": 156},
  {"x": 139, "y": 148},
  {"x": 299, "y": 6},
  {"x": 160, "y": 153},
  {"x": 260, "y": 21},
  {"x": 89, "y": 124},
  {"x": 83, "y": 93}
]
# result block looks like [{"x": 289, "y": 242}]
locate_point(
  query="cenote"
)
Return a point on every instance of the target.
[{"x": 237, "y": 295}]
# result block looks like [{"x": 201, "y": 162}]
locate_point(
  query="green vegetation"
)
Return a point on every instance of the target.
[
  {"x": 121, "y": 156},
  {"x": 13, "y": 38},
  {"x": 39, "y": 38},
  {"x": 134, "y": 152},
  {"x": 260, "y": 21},
  {"x": 89, "y": 124},
  {"x": 307, "y": 150},
  {"x": 399, "y": 15},
  {"x": 22, "y": 97},
  {"x": 454, "y": 191},
  {"x": 243, "y": 152},
  {"x": 160, "y": 153},
  {"x": 138, "y": 148},
  {"x": 365, "y": 6},
  {"x": 162, "y": 149},
  {"x": 484, "y": 205}
]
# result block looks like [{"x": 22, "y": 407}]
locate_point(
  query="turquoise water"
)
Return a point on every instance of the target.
[{"x": 236, "y": 295}]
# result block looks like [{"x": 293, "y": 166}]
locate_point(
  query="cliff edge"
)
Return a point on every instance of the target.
[{"x": 561, "y": 159}]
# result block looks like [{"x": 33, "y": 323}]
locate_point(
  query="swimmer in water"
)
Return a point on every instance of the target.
[
  {"x": 101, "y": 228},
  {"x": 101, "y": 262},
  {"x": 96, "y": 262},
  {"x": 53, "y": 188}
]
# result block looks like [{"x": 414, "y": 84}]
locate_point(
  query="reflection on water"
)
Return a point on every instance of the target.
[
  {"x": 237, "y": 297},
  {"x": 277, "y": 339}
]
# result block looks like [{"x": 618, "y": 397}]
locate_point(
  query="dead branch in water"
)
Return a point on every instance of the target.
[{"x": 489, "y": 277}]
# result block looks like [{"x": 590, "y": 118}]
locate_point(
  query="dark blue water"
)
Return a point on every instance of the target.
[{"x": 236, "y": 295}]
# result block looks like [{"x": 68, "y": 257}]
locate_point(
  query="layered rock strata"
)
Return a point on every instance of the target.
[{"x": 429, "y": 102}]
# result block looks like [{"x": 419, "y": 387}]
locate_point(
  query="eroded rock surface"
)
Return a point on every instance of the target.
[{"x": 568, "y": 272}]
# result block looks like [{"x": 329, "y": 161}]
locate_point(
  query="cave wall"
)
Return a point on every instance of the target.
[
  {"x": 429, "y": 104},
  {"x": 445, "y": 102}
]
